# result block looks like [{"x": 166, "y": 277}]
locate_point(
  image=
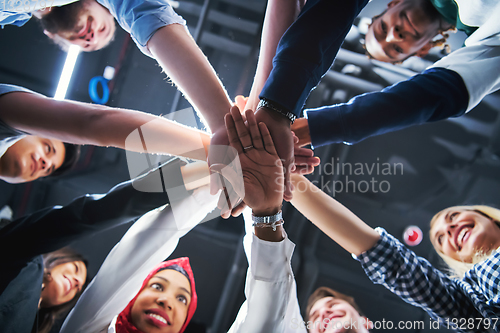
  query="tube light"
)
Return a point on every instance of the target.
[{"x": 67, "y": 71}]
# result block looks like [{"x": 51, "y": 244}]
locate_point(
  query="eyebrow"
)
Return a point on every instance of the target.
[{"x": 182, "y": 288}]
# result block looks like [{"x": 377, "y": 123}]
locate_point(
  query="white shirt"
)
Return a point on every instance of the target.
[
  {"x": 148, "y": 242},
  {"x": 479, "y": 62},
  {"x": 271, "y": 304}
]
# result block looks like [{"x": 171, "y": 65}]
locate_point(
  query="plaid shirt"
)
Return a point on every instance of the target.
[{"x": 447, "y": 300}]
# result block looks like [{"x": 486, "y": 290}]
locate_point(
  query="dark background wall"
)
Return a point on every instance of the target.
[{"x": 447, "y": 163}]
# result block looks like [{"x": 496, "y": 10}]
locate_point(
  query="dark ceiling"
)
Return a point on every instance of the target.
[{"x": 447, "y": 163}]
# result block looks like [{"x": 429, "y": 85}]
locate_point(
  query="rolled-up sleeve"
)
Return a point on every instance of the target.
[{"x": 141, "y": 18}]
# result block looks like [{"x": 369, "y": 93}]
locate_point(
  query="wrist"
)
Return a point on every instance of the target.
[
  {"x": 269, "y": 211},
  {"x": 276, "y": 111}
]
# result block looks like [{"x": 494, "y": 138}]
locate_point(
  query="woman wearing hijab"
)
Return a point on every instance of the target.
[
  {"x": 154, "y": 237},
  {"x": 166, "y": 302},
  {"x": 25, "y": 288}
]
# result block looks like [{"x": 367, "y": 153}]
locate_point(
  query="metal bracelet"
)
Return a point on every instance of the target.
[{"x": 273, "y": 106}]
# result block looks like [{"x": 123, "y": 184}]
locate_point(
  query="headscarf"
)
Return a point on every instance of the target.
[{"x": 124, "y": 323}]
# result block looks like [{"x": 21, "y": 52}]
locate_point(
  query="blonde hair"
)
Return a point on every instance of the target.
[{"x": 458, "y": 268}]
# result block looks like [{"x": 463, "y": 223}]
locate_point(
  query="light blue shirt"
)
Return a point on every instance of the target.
[
  {"x": 140, "y": 18},
  {"x": 18, "y": 13}
]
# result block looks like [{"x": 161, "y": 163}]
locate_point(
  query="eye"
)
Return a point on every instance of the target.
[
  {"x": 48, "y": 148},
  {"x": 383, "y": 26},
  {"x": 398, "y": 49},
  {"x": 157, "y": 286},
  {"x": 453, "y": 215},
  {"x": 182, "y": 299},
  {"x": 440, "y": 239},
  {"x": 76, "y": 268}
]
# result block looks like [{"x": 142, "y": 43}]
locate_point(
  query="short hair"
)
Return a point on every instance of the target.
[
  {"x": 62, "y": 18},
  {"x": 323, "y": 292},
  {"x": 48, "y": 316},
  {"x": 71, "y": 157},
  {"x": 458, "y": 268}
]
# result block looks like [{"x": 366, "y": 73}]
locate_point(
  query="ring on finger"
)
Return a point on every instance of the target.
[{"x": 246, "y": 148}]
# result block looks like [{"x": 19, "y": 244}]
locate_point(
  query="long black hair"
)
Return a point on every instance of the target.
[{"x": 46, "y": 317}]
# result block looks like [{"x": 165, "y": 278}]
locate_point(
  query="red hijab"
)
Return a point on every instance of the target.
[{"x": 124, "y": 323}]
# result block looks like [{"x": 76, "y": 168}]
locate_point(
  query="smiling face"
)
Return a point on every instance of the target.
[
  {"x": 66, "y": 282},
  {"x": 162, "y": 306},
  {"x": 89, "y": 25},
  {"x": 31, "y": 158},
  {"x": 332, "y": 314},
  {"x": 460, "y": 234},
  {"x": 406, "y": 28}
]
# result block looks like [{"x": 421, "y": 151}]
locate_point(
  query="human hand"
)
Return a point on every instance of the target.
[
  {"x": 241, "y": 101},
  {"x": 260, "y": 165},
  {"x": 279, "y": 127},
  {"x": 301, "y": 129},
  {"x": 305, "y": 161}
]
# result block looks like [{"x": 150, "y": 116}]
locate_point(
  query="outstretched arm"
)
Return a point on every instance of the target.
[
  {"x": 184, "y": 62},
  {"x": 436, "y": 94},
  {"x": 83, "y": 123},
  {"x": 280, "y": 14},
  {"x": 335, "y": 220}
]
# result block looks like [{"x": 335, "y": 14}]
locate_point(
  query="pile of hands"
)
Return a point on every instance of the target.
[{"x": 251, "y": 160}]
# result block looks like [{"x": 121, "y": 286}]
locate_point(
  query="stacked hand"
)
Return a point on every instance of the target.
[
  {"x": 262, "y": 170},
  {"x": 220, "y": 155}
]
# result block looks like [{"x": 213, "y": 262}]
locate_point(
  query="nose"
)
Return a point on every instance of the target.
[
  {"x": 44, "y": 163},
  {"x": 164, "y": 301},
  {"x": 78, "y": 282},
  {"x": 394, "y": 35},
  {"x": 324, "y": 313}
]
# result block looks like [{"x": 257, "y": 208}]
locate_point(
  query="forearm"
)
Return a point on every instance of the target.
[
  {"x": 280, "y": 14},
  {"x": 53, "y": 228},
  {"x": 435, "y": 94},
  {"x": 184, "y": 62},
  {"x": 308, "y": 49},
  {"x": 82, "y": 123},
  {"x": 335, "y": 220}
]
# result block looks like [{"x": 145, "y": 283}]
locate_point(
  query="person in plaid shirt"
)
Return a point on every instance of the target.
[{"x": 466, "y": 237}]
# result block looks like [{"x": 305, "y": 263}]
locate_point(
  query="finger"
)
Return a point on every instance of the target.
[
  {"x": 301, "y": 161},
  {"x": 287, "y": 194},
  {"x": 297, "y": 151},
  {"x": 240, "y": 102},
  {"x": 241, "y": 129},
  {"x": 302, "y": 170},
  {"x": 254, "y": 130},
  {"x": 224, "y": 203},
  {"x": 239, "y": 209},
  {"x": 232, "y": 134},
  {"x": 268, "y": 140}
]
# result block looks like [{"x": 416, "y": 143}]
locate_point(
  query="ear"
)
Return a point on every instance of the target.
[
  {"x": 424, "y": 50},
  {"x": 393, "y": 3}
]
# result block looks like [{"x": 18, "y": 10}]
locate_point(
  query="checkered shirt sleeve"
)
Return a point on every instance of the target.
[
  {"x": 482, "y": 284},
  {"x": 415, "y": 281}
]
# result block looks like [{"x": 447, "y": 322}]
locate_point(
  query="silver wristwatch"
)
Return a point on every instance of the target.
[{"x": 272, "y": 221}]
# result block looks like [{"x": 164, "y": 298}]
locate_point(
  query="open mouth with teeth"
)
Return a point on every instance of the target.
[
  {"x": 462, "y": 236},
  {"x": 156, "y": 319}
]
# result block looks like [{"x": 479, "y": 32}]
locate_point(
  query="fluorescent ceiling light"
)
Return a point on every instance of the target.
[{"x": 67, "y": 71}]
